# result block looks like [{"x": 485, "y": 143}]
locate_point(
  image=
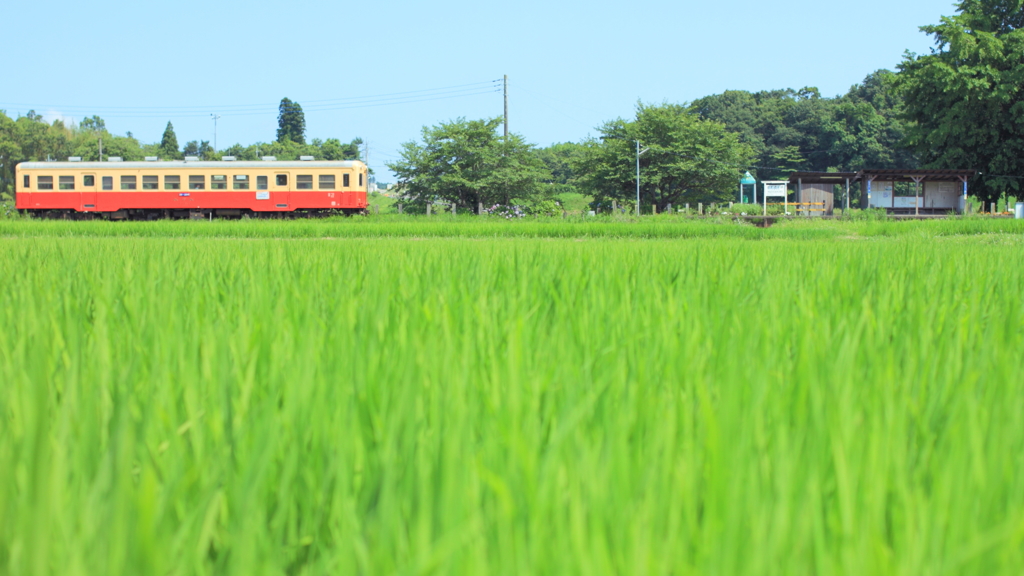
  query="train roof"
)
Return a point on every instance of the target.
[{"x": 178, "y": 164}]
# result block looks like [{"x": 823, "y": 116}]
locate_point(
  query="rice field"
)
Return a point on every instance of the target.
[
  {"x": 473, "y": 397},
  {"x": 395, "y": 226}
]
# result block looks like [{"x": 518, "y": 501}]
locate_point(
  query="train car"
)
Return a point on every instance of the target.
[{"x": 190, "y": 189}]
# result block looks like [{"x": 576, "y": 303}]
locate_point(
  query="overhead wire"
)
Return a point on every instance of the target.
[{"x": 406, "y": 97}]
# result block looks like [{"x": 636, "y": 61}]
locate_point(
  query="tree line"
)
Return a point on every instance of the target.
[{"x": 693, "y": 152}]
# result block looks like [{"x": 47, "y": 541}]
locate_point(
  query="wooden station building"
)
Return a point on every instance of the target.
[{"x": 818, "y": 188}]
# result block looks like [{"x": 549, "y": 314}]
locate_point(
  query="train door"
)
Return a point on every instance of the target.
[
  {"x": 89, "y": 192},
  {"x": 280, "y": 188}
]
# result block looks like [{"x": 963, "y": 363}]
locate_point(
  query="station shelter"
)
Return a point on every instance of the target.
[
  {"x": 816, "y": 191},
  {"x": 934, "y": 191}
]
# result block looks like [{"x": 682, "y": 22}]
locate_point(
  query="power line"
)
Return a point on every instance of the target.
[
  {"x": 276, "y": 109},
  {"x": 409, "y": 94}
]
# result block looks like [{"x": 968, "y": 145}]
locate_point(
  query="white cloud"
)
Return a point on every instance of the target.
[{"x": 50, "y": 115}]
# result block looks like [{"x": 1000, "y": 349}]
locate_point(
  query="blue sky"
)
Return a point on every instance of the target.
[{"x": 571, "y": 65}]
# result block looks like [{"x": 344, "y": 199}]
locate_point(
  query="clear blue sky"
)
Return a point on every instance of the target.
[{"x": 571, "y": 65}]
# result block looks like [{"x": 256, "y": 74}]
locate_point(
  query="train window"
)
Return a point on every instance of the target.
[
  {"x": 28, "y": 181},
  {"x": 44, "y": 183},
  {"x": 172, "y": 182},
  {"x": 360, "y": 179},
  {"x": 241, "y": 182},
  {"x": 108, "y": 182},
  {"x": 345, "y": 180},
  {"x": 218, "y": 182},
  {"x": 197, "y": 182},
  {"x": 88, "y": 180},
  {"x": 128, "y": 182},
  {"x": 327, "y": 181},
  {"x": 261, "y": 182},
  {"x": 66, "y": 182},
  {"x": 304, "y": 182},
  {"x": 282, "y": 179},
  {"x": 150, "y": 182}
]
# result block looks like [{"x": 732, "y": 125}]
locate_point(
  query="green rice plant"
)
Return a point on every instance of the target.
[
  {"x": 225, "y": 398},
  {"x": 447, "y": 226}
]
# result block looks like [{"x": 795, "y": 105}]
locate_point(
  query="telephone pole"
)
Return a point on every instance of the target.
[
  {"x": 215, "y": 117},
  {"x": 506, "y": 106}
]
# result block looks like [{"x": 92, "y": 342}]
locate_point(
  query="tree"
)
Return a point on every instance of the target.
[
  {"x": 965, "y": 100},
  {"x": 559, "y": 159},
  {"x": 93, "y": 123},
  {"x": 801, "y": 130},
  {"x": 291, "y": 122},
  {"x": 775, "y": 123},
  {"x": 333, "y": 149},
  {"x": 867, "y": 130},
  {"x": 201, "y": 150},
  {"x": 10, "y": 153},
  {"x": 169, "y": 142},
  {"x": 468, "y": 162},
  {"x": 687, "y": 158}
]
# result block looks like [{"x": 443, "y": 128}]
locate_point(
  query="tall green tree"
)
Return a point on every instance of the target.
[
  {"x": 93, "y": 123},
  {"x": 10, "y": 153},
  {"x": 468, "y": 162},
  {"x": 688, "y": 159},
  {"x": 965, "y": 100},
  {"x": 169, "y": 142},
  {"x": 291, "y": 122}
]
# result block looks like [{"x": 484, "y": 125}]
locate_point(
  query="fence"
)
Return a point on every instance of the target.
[{"x": 806, "y": 207}]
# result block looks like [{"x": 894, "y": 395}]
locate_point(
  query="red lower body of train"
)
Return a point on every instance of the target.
[{"x": 193, "y": 203}]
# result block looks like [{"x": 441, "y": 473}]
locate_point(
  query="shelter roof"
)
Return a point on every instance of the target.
[
  {"x": 821, "y": 177},
  {"x": 903, "y": 175}
]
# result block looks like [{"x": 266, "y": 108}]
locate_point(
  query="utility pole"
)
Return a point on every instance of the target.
[
  {"x": 215, "y": 117},
  {"x": 101, "y": 149},
  {"x": 638, "y": 153},
  {"x": 506, "y": 106}
]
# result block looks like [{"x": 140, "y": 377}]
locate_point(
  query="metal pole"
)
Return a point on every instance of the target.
[
  {"x": 917, "y": 197},
  {"x": 637, "y": 177},
  {"x": 505, "y": 84},
  {"x": 800, "y": 195}
]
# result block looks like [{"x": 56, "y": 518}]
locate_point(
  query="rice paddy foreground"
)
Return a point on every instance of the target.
[{"x": 511, "y": 406}]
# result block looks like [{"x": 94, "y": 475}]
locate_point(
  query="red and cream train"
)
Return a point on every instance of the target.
[{"x": 183, "y": 189}]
